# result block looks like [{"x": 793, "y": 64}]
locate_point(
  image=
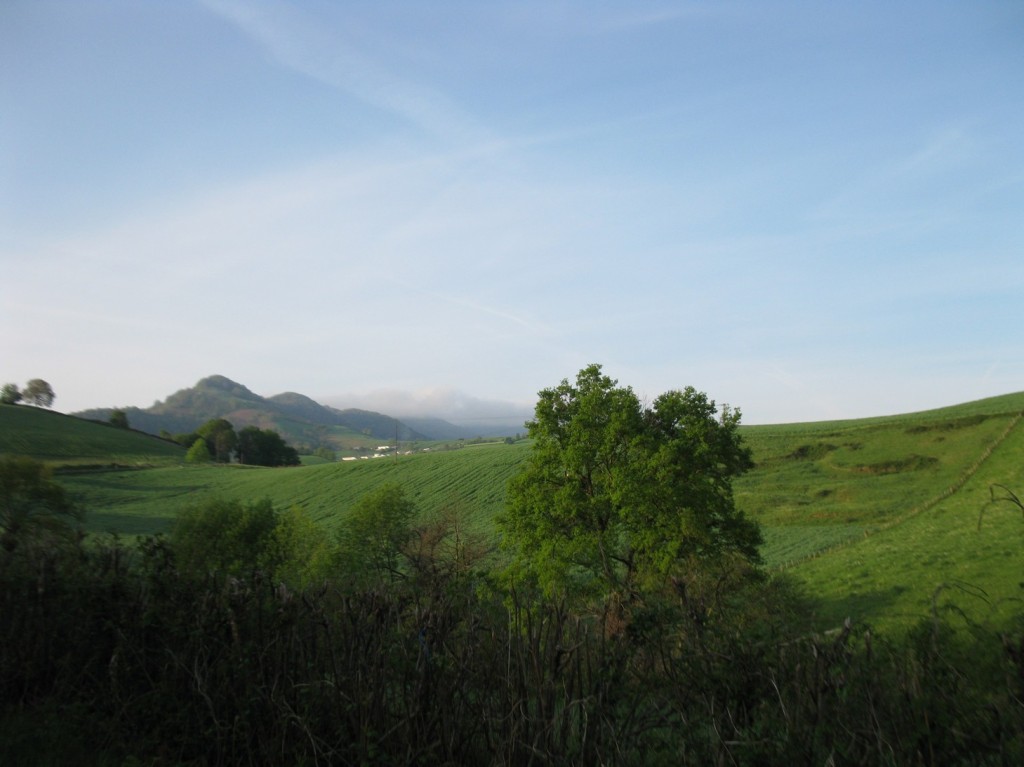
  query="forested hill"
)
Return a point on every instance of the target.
[{"x": 298, "y": 418}]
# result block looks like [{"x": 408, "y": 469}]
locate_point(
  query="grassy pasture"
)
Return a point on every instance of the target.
[
  {"x": 821, "y": 484},
  {"x": 957, "y": 553},
  {"x": 471, "y": 480},
  {"x": 879, "y": 518},
  {"x": 62, "y": 440},
  {"x": 873, "y": 516}
]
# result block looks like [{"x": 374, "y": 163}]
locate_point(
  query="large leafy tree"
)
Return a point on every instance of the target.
[{"x": 618, "y": 498}]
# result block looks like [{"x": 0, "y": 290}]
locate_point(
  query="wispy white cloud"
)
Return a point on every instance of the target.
[
  {"x": 895, "y": 189},
  {"x": 320, "y": 48},
  {"x": 950, "y": 147},
  {"x": 481, "y": 308}
]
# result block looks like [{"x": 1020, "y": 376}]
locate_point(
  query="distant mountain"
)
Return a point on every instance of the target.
[
  {"x": 301, "y": 406},
  {"x": 300, "y": 420},
  {"x": 438, "y": 428}
]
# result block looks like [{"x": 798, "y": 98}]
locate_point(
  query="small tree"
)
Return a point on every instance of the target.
[
  {"x": 220, "y": 437},
  {"x": 119, "y": 419},
  {"x": 185, "y": 439},
  {"x": 38, "y": 392},
  {"x": 326, "y": 453},
  {"x": 226, "y": 537},
  {"x": 198, "y": 453},
  {"x": 33, "y": 507},
  {"x": 306, "y": 554},
  {"x": 371, "y": 540},
  {"x": 10, "y": 394}
]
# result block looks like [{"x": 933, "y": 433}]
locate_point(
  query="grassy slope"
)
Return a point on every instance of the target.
[
  {"x": 62, "y": 440},
  {"x": 873, "y": 515},
  {"x": 472, "y": 479},
  {"x": 824, "y": 484},
  {"x": 879, "y": 517},
  {"x": 955, "y": 551}
]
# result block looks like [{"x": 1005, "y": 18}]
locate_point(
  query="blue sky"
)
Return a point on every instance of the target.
[{"x": 807, "y": 210}]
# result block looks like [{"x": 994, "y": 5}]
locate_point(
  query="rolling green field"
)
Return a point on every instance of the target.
[
  {"x": 471, "y": 480},
  {"x": 875, "y": 517},
  {"x": 65, "y": 441}
]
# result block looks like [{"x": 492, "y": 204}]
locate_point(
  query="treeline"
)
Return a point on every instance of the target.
[
  {"x": 217, "y": 440},
  {"x": 36, "y": 392},
  {"x": 248, "y": 636}
]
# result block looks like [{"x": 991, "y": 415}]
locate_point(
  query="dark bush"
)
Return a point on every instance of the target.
[{"x": 110, "y": 654}]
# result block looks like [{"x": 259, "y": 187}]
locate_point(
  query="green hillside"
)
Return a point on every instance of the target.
[
  {"x": 872, "y": 515},
  {"x": 956, "y": 548},
  {"x": 67, "y": 441},
  {"x": 471, "y": 480},
  {"x": 822, "y": 484},
  {"x": 877, "y": 517}
]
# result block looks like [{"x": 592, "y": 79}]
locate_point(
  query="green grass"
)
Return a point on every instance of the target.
[
  {"x": 471, "y": 480},
  {"x": 878, "y": 518},
  {"x": 873, "y": 516},
  {"x": 938, "y": 556},
  {"x": 819, "y": 484},
  {"x": 62, "y": 440}
]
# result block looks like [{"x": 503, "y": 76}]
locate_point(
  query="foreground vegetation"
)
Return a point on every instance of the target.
[
  {"x": 361, "y": 613},
  {"x": 152, "y": 655}
]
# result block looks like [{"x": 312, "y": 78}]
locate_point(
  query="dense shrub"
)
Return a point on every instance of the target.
[{"x": 126, "y": 653}]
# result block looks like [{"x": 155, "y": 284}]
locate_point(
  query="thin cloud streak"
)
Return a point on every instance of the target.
[
  {"x": 947, "y": 150},
  {"x": 296, "y": 42},
  {"x": 480, "y": 308}
]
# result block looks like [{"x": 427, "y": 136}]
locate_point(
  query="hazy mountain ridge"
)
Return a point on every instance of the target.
[
  {"x": 300, "y": 419},
  {"x": 438, "y": 428}
]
